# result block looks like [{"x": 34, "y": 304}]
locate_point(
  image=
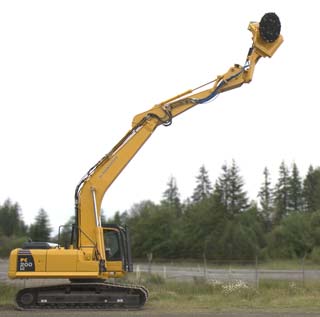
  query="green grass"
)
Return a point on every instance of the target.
[
  {"x": 7, "y": 295},
  {"x": 211, "y": 296}
]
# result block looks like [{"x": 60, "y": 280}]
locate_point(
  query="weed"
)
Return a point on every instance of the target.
[
  {"x": 7, "y": 294},
  {"x": 155, "y": 279}
]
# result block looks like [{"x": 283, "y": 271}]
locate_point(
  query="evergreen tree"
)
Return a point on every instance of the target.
[
  {"x": 171, "y": 196},
  {"x": 281, "y": 194},
  {"x": 266, "y": 198},
  {"x": 103, "y": 218},
  {"x": 311, "y": 190},
  {"x": 11, "y": 222},
  {"x": 204, "y": 187},
  {"x": 295, "y": 202},
  {"x": 64, "y": 237},
  {"x": 238, "y": 197},
  {"x": 222, "y": 190},
  {"x": 308, "y": 190},
  {"x": 119, "y": 218},
  {"x": 40, "y": 230},
  {"x": 229, "y": 190},
  {"x": 116, "y": 218}
]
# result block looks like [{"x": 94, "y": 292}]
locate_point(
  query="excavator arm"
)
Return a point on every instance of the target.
[{"x": 89, "y": 194}]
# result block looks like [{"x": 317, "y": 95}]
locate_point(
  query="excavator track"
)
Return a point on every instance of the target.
[{"x": 104, "y": 295}]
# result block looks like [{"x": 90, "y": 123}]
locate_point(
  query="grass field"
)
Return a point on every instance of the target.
[
  {"x": 7, "y": 295},
  {"x": 214, "y": 296}
]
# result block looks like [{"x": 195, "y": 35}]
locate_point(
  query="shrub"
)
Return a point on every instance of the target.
[
  {"x": 7, "y": 244},
  {"x": 315, "y": 255}
]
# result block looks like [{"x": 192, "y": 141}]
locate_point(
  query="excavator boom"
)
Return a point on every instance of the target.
[{"x": 91, "y": 190}]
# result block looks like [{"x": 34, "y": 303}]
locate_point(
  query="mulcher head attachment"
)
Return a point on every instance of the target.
[{"x": 270, "y": 27}]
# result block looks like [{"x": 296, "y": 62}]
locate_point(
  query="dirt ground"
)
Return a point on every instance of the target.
[{"x": 148, "y": 312}]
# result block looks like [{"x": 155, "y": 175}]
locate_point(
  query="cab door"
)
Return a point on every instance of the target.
[{"x": 113, "y": 249}]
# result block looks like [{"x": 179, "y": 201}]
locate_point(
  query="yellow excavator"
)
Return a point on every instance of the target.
[{"x": 99, "y": 252}]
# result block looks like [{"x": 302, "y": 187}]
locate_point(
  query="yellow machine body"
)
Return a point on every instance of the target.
[{"x": 59, "y": 263}]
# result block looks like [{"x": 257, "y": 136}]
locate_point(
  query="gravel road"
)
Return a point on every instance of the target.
[{"x": 149, "y": 312}]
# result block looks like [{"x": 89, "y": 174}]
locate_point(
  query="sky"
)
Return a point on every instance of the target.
[{"x": 73, "y": 74}]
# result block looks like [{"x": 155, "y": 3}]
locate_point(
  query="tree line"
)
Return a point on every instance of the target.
[
  {"x": 220, "y": 222},
  {"x": 14, "y": 231},
  {"x": 217, "y": 221}
]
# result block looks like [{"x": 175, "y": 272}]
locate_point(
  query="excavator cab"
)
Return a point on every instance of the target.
[{"x": 117, "y": 247}]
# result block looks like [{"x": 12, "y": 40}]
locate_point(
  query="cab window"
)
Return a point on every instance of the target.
[{"x": 112, "y": 245}]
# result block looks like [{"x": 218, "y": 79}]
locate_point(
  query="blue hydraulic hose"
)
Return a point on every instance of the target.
[
  {"x": 216, "y": 91},
  {"x": 213, "y": 94}
]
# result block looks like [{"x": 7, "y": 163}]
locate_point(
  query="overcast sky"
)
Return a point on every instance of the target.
[{"x": 73, "y": 74}]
